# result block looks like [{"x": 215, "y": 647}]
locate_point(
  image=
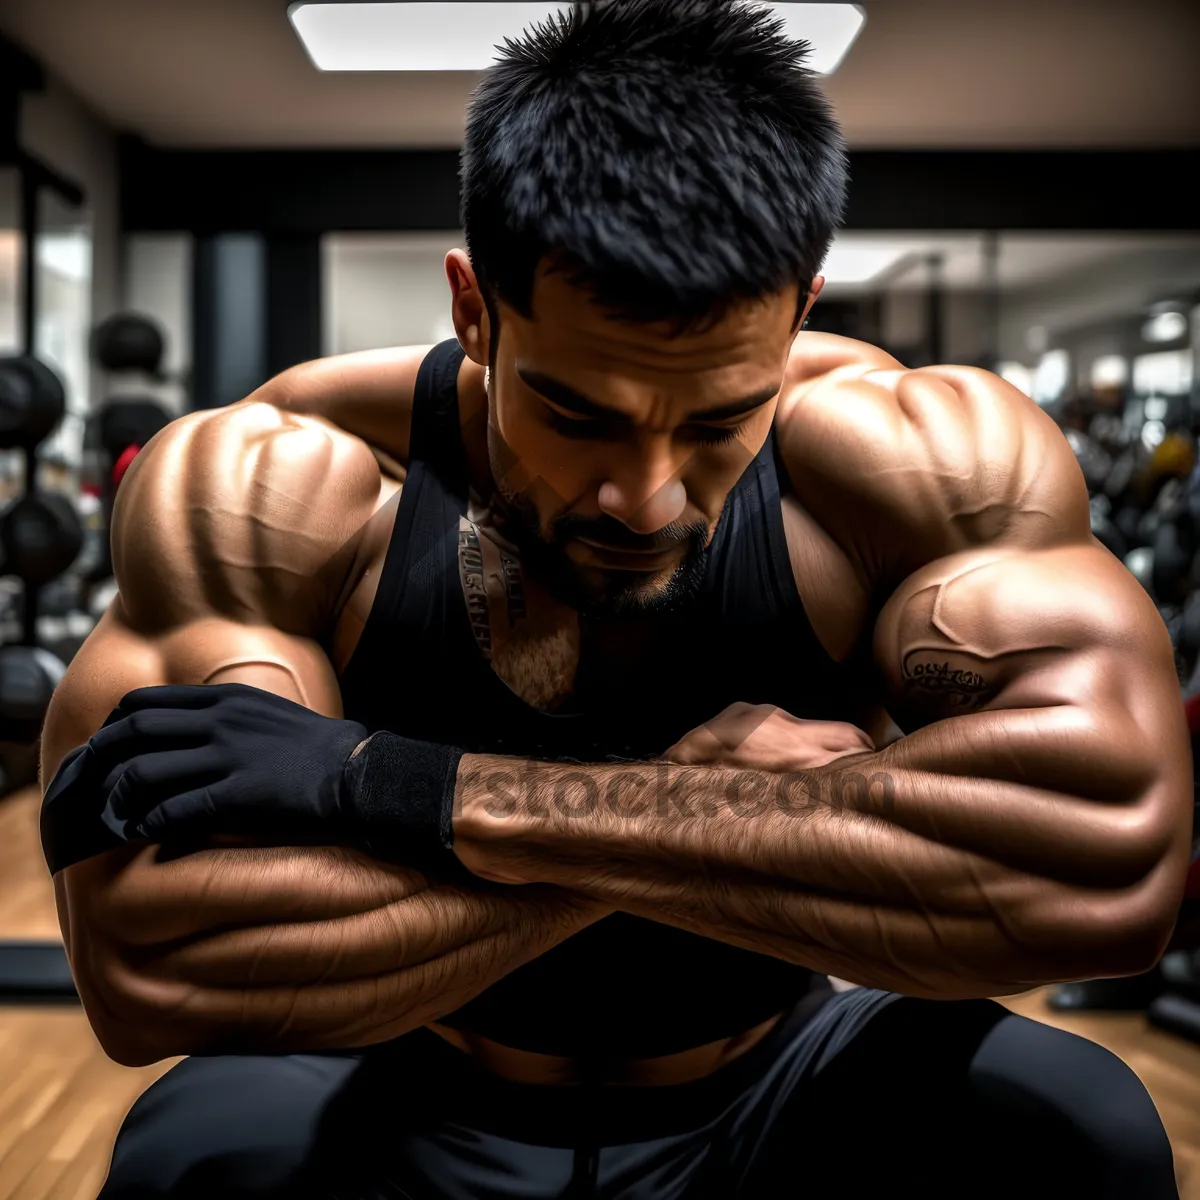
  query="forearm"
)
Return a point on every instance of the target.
[
  {"x": 288, "y": 950},
  {"x": 937, "y": 866}
]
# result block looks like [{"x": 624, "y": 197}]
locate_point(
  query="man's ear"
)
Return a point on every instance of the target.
[
  {"x": 468, "y": 309},
  {"x": 813, "y": 292}
]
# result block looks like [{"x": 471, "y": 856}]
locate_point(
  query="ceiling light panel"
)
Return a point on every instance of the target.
[{"x": 462, "y": 36}]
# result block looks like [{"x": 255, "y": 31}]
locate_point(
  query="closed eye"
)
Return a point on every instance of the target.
[
  {"x": 583, "y": 427},
  {"x": 715, "y": 435},
  {"x": 594, "y": 428}
]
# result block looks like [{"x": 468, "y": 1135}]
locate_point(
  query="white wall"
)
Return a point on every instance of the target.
[
  {"x": 58, "y": 128},
  {"x": 10, "y": 261},
  {"x": 158, "y": 285},
  {"x": 385, "y": 290}
]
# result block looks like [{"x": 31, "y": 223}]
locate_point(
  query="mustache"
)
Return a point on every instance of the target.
[{"x": 610, "y": 532}]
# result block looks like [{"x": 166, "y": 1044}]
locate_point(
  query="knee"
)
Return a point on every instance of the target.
[
  {"x": 1077, "y": 1103},
  {"x": 1121, "y": 1131},
  {"x": 223, "y": 1127}
]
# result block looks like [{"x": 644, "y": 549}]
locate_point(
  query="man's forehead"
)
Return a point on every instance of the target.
[{"x": 567, "y": 327}]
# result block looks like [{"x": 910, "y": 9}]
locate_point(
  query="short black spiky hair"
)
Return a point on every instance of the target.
[{"x": 671, "y": 157}]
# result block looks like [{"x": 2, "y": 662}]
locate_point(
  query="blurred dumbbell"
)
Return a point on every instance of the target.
[
  {"x": 1172, "y": 618},
  {"x": 32, "y": 402},
  {"x": 1187, "y": 640},
  {"x": 1127, "y": 520},
  {"x": 128, "y": 342},
  {"x": 1168, "y": 505},
  {"x": 1174, "y": 549},
  {"x": 28, "y": 677},
  {"x": 1105, "y": 530},
  {"x": 1107, "y": 431},
  {"x": 59, "y": 598},
  {"x": 1147, "y": 529},
  {"x": 1094, "y": 462},
  {"x": 40, "y": 537},
  {"x": 129, "y": 421},
  {"x": 1120, "y": 476}
]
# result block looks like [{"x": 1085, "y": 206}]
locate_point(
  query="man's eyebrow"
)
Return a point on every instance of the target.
[
  {"x": 575, "y": 401},
  {"x": 738, "y": 407}
]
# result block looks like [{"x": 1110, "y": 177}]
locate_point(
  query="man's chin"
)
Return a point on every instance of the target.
[
  {"x": 596, "y": 591},
  {"x": 620, "y": 593},
  {"x": 611, "y": 595}
]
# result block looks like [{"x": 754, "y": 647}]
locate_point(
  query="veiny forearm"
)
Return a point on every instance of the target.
[
  {"x": 946, "y": 864},
  {"x": 285, "y": 950}
]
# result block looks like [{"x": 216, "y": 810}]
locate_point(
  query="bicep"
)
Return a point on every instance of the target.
[
  {"x": 1057, "y": 669},
  {"x": 998, "y": 628},
  {"x": 1051, "y": 675},
  {"x": 118, "y": 659}
]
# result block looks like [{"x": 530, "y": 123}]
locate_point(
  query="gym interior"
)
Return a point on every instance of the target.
[{"x": 191, "y": 204}]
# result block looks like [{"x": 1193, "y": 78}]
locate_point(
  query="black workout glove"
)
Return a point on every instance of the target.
[{"x": 181, "y": 764}]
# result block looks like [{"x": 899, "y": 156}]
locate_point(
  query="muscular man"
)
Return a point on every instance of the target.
[{"x": 487, "y": 825}]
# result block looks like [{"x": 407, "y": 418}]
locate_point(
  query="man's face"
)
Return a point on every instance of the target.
[{"x": 614, "y": 446}]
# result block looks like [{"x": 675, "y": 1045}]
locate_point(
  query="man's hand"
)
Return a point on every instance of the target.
[
  {"x": 765, "y": 738},
  {"x": 182, "y": 765},
  {"x": 190, "y": 763}
]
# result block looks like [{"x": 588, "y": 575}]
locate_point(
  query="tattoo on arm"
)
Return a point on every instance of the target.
[
  {"x": 947, "y": 680},
  {"x": 942, "y": 672}
]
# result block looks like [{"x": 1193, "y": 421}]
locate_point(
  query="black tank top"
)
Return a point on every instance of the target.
[{"x": 624, "y": 983}]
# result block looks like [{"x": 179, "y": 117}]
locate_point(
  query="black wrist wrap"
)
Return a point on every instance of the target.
[{"x": 402, "y": 794}]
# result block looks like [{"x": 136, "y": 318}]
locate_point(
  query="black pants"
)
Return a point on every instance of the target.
[{"x": 860, "y": 1094}]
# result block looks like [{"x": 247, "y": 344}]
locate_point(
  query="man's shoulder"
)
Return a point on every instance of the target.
[
  {"x": 370, "y": 393},
  {"x": 904, "y": 466},
  {"x": 242, "y": 512}
]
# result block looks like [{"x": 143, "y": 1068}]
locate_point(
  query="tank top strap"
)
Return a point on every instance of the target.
[
  {"x": 436, "y": 438},
  {"x": 750, "y": 577}
]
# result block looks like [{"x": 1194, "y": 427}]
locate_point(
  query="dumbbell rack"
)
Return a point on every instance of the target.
[
  {"x": 31, "y": 590},
  {"x": 40, "y": 537}
]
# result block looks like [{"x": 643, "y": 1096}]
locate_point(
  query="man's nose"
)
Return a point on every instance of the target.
[{"x": 644, "y": 491}]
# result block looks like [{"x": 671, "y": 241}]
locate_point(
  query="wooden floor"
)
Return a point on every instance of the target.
[{"x": 62, "y": 1100}]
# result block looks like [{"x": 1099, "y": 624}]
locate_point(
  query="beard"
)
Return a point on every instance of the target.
[{"x": 593, "y": 592}]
